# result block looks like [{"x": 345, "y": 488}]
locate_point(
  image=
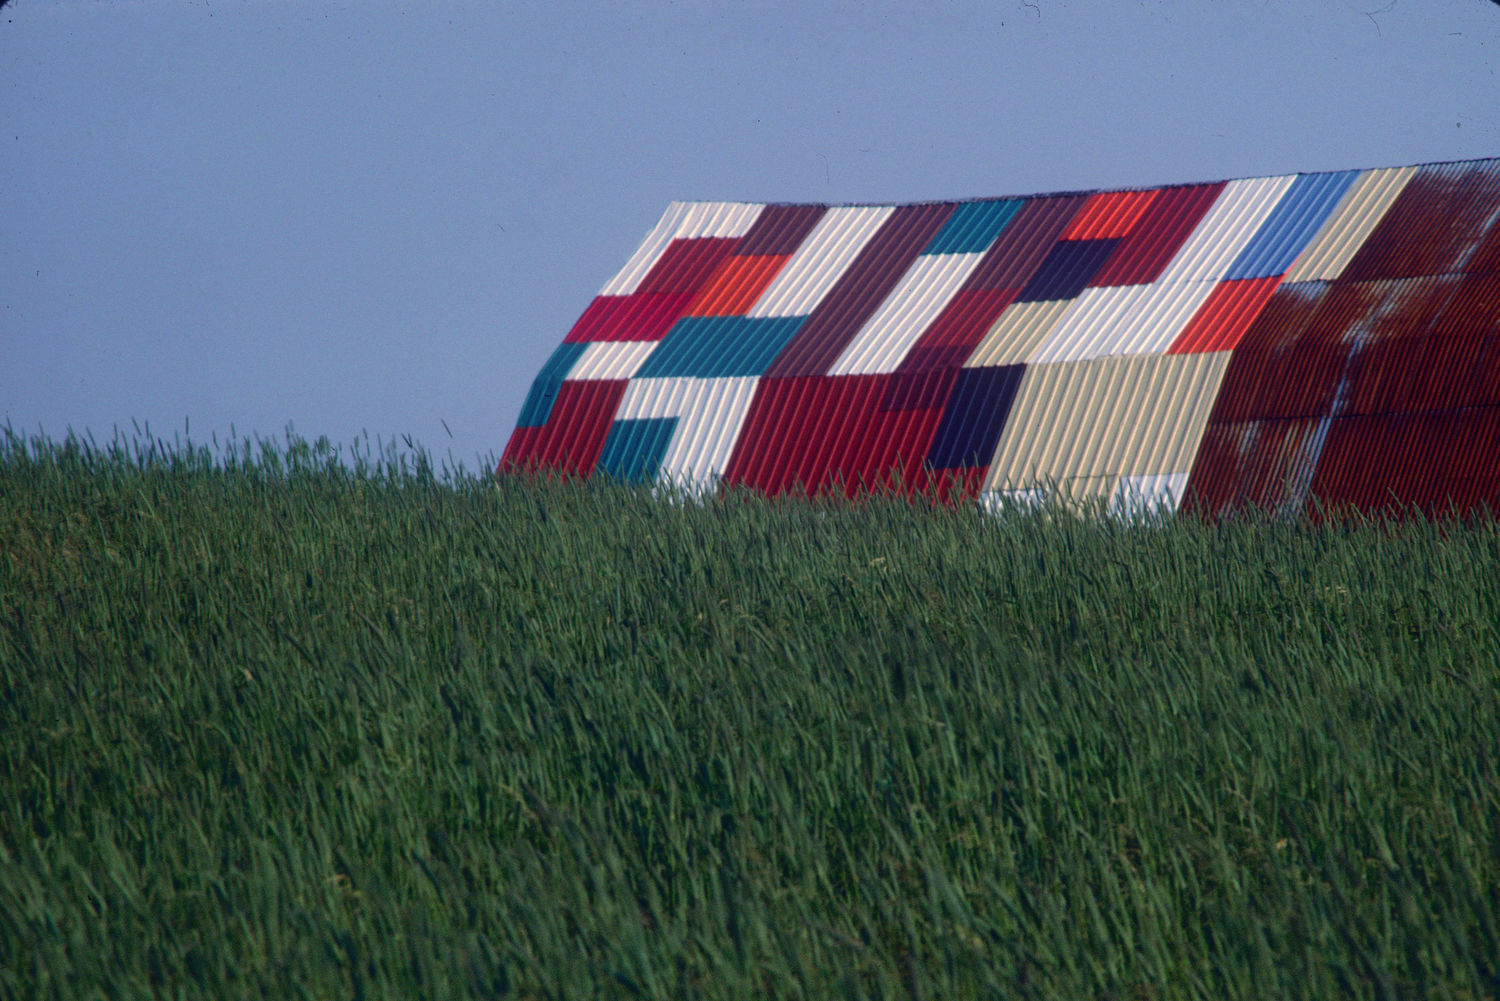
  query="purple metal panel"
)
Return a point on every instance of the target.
[
  {"x": 779, "y": 229},
  {"x": 860, "y": 290},
  {"x": 1014, "y": 257},
  {"x": 1167, "y": 222}
]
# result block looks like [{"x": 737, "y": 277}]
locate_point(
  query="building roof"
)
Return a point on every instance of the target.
[{"x": 1327, "y": 337}]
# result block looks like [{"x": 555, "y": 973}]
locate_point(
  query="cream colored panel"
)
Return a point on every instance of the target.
[
  {"x": 1349, "y": 225},
  {"x": 1016, "y": 333}
]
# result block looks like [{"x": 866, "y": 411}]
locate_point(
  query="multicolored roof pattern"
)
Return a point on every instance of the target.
[{"x": 1329, "y": 338}]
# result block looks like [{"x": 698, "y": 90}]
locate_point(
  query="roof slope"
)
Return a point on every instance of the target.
[{"x": 1326, "y": 337}]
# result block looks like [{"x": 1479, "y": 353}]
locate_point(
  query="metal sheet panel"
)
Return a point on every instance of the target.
[
  {"x": 860, "y": 290},
  {"x": 1130, "y": 319},
  {"x": 610, "y": 359},
  {"x": 974, "y": 418},
  {"x": 1106, "y": 417},
  {"x": 1026, "y": 241},
  {"x": 633, "y": 449},
  {"x": 1156, "y": 238},
  {"x": 1349, "y": 225},
  {"x": 973, "y": 226},
  {"x": 685, "y": 265},
  {"x": 1297, "y": 217},
  {"x": 1435, "y": 225},
  {"x": 682, "y": 220},
  {"x": 1225, "y": 315},
  {"x": 953, "y": 335},
  {"x": 709, "y": 420},
  {"x": 916, "y": 301},
  {"x": 720, "y": 346},
  {"x": 1226, "y": 229},
  {"x": 779, "y": 230},
  {"x": 829, "y": 248},
  {"x": 543, "y": 394},
  {"x": 736, "y": 284},
  {"x": 1017, "y": 333},
  {"x": 1068, "y": 267},
  {"x": 642, "y": 317},
  {"x": 571, "y": 440},
  {"x": 1265, "y": 464},
  {"x": 1110, "y": 214}
]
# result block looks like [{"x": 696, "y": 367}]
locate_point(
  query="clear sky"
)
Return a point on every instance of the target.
[{"x": 357, "y": 216}]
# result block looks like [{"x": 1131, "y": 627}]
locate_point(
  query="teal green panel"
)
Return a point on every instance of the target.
[{"x": 634, "y": 448}]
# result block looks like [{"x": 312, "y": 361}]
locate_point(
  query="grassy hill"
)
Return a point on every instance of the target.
[{"x": 280, "y": 725}]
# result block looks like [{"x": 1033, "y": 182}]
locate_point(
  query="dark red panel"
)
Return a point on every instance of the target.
[
  {"x": 1388, "y": 334},
  {"x": 1015, "y": 255},
  {"x": 640, "y": 317},
  {"x": 1437, "y": 225},
  {"x": 1274, "y": 372},
  {"x": 1172, "y": 215},
  {"x": 571, "y": 440},
  {"x": 779, "y": 229},
  {"x": 686, "y": 264},
  {"x": 1225, "y": 316},
  {"x": 920, "y": 390},
  {"x": 860, "y": 290},
  {"x": 823, "y": 433},
  {"x": 958, "y": 329},
  {"x": 1264, "y": 464},
  {"x": 1461, "y": 364}
]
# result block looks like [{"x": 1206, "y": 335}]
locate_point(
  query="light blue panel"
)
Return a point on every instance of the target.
[
  {"x": 634, "y": 449},
  {"x": 716, "y": 347},
  {"x": 1294, "y": 221},
  {"x": 973, "y": 226},
  {"x": 538, "y": 405}
]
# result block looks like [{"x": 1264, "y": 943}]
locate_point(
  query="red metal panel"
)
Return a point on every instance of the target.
[
  {"x": 1171, "y": 216},
  {"x": 1437, "y": 225},
  {"x": 860, "y": 290},
  {"x": 962, "y": 324},
  {"x": 1225, "y": 316},
  {"x": 1388, "y": 326},
  {"x": 822, "y": 433},
  {"x": 1014, "y": 256},
  {"x": 779, "y": 229},
  {"x": 686, "y": 264},
  {"x": 1110, "y": 213},
  {"x": 1272, "y": 374},
  {"x": 1461, "y": 364},
  {"x": 736, "y": 284},
  {"x": 640, "y": 317},
  {"x": 571, "y": 440},
  {"x": 1252, "y": 463}
]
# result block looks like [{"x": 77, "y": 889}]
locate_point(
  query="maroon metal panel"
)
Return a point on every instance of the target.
[
  {"x": 1014, "y": 256},
  {"x": 1252, "y": 463},
  {"x": 919, "y": 390},
  {"x": 571, "y": 440},
  {"x": 686, "y": 265},
  {"x": 1172, "y": 215},
  {"x": 860, "y": 290},
  {"x": 640, "y": 317},
  {"x": 1461, "y": 365},
  {"x": 1436, "y": 226},
  {"x": 1273, "y": 373},
  {"x": 958, "y": 329},
  {"x": 779, "y": 229},
  {"x": 1387, "y": 331}
]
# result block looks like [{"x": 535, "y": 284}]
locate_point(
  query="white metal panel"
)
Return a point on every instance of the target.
[
  {"x": 709, "y": 421},
  {"x": 1016, "y": 333},
  {"x": 644, "y": 398},
  {"x": 1349, "y": 225},
  {"x": 611, "y": 359},
  {"x": 922, "y": 293},
  {"x": 823, "y": 256},
  {"x": 681, "y": 220},
  {"x": 1125, "y": 319},
  {"x": 1223, "y": 232},
  {"x": 1148, "y": 495}
]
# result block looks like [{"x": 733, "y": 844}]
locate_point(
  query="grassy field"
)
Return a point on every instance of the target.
[{"x": 276, "y": 725}]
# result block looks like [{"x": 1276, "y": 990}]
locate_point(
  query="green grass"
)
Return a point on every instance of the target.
[{"x": 278, "y": 725}]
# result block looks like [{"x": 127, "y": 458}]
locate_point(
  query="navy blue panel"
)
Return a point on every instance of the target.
[
  {"x": 538, "y": 405},
  {"x": 634, "y": 449},
  {"x": 975, "y": 417},
  {"x": 717, "y": 347},
  {"x": 1067, "y": 269}
]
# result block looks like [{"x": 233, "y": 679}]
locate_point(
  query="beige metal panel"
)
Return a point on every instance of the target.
[
  {"x": 1118, "y": 416},
  {"x": 1230, "y": 224},
  {"x": 611, "y": 359},
  {"x": 681, "y": 220},
  {"x": 927, "y": 287},
  {"x": 1349, "y": 225},
  {"x": 823, "y": 256},
  {"x": 1128, "y": 319},
  {"x": 1147, "y": 495},
  {"x": 1016, "y": 333},
  {"x": 709, "y": 419}
]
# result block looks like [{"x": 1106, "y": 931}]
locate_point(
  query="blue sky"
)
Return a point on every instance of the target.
[{"x": 357, "y": 217}]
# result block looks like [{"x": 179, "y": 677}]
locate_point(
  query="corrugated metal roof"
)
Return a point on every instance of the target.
[{"x": 1327, "y": 338}]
